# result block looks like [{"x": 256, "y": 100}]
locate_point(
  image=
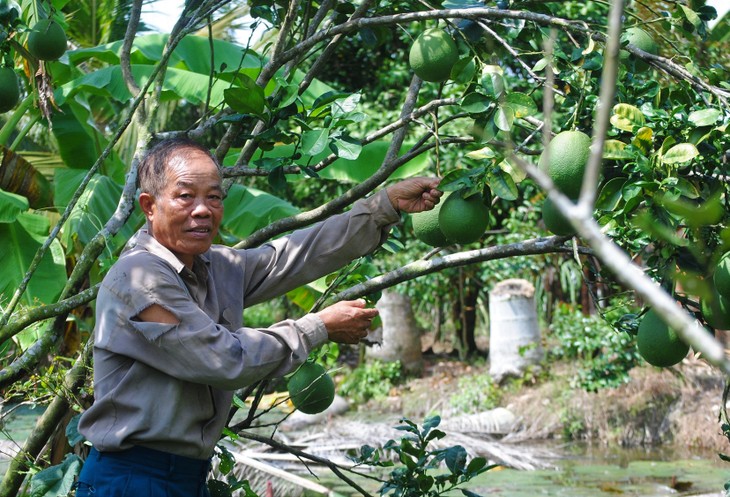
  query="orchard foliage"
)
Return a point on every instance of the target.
[{"x": 322, "y": 109}]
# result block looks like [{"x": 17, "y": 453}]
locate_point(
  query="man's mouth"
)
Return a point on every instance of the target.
[{"x": 202, "y": 229}]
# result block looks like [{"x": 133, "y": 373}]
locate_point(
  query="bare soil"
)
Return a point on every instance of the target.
[{"x": 677, "y": 406}]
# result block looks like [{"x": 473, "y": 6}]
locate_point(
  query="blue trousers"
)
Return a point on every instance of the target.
[{"x": 142, "y": 472}]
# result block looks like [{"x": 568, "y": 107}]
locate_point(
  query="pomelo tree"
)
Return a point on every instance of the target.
[{"x": 650, "y": 209}]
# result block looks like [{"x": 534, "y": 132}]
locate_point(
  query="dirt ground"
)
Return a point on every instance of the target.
[{"x": 678, "y": 406}]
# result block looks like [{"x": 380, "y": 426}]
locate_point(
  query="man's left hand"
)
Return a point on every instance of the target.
[{"x": 414, "y": 194}]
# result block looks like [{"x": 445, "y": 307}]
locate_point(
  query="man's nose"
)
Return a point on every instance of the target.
[{"x": 201, "y": 208}]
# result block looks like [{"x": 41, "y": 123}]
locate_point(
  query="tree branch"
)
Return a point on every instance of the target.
[{"x": 416, "y": 269}]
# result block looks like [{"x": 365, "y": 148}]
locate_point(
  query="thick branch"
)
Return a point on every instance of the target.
[{"x": 416, "y": 269}]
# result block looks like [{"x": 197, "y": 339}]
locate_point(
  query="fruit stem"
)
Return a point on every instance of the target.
[{"x": 7, "y": 130}]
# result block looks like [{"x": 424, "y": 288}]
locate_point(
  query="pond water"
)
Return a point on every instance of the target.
[
  {"x": 585, "y": 471},
  {"x": 580, "y": 470}
]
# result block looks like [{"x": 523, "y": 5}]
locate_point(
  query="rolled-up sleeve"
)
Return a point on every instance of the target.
[{"x": 289, "y": 262}]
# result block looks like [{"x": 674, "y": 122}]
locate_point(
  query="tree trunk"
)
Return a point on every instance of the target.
[
  {"x": 514, "y": 335},
  {"x": 401, "y": 336}
]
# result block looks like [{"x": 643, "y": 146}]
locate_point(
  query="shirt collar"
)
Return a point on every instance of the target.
[{"x": 143, "y": 240}]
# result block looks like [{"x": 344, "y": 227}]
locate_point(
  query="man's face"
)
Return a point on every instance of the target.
[{"x": 186, "y": 215}]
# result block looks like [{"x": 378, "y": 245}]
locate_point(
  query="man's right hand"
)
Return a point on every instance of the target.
[{"x": 347, "y": 321}]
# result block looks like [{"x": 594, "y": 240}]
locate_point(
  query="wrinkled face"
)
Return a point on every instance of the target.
[{"x": 186, "y": 215}]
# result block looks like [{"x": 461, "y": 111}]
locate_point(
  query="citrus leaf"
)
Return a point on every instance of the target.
[
  {"x": 521, "y": 104},
  {"x": 475, "y": 103},
  {"x": 625, "y": 117},
  {"x": 611, "y": 194},
  {"x": 456, "y": 459},
  {"x": 502, "y": 184},
  {"x": 314, "y": 141},
  {"x": 615, "y": 150},
  {"x": 682, "y": 152},
  {"x": 483, "y": 153},
  {"x": 515, "y": 171},
  {"x": 503, "y": 118},
  {"x": 248, "y": 99},
  {"x": 643, "y": 139},
  {"x": 541, "y": 64},
  {"x": 691, "y": 16},
  {"x": 346, "y": 147},
  {"x": 704, "y": 117}
]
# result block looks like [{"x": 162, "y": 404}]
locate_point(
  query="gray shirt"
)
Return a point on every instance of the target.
[{"x": 169, "y": 387}]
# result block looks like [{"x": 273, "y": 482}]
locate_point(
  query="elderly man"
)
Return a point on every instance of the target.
[{"x": 170, "y": 342}]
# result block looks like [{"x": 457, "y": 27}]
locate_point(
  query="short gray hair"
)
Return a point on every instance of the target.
[{"x": 152, "y": 170}]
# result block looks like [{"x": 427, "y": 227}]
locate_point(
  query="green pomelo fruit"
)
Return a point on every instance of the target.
[
  {"x": 716, "y": 311},
  {"x": 463, "y": 220},
  {"x": 9, "y": 89},
  {"x": 721, "y": 276},
  {"x": 659, "y": 344},
  {"x": 433, "y": 54},
  {"x": 640, "y": 39},
  {"x": 47, "y": 40},
  {"x": 554, "y": 220},
  {"x": 426, "y": 226},
  {"x": 565, "y": 159},
  {"x": 311, "y": 389}
]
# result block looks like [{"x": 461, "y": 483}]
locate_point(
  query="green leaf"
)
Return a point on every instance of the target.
[
  {"x": 80, "y": 144},
  {"x": 344, "y": 106},
  {"x": 504, "y": 117},
  {"x": 691, "y": 16},
  {"x": 695, "y": 214},
  {"x": 58, "y": 480},
  {"x": 323, "y": 101},
  {"x": 248, "y": 209},
  {"x": 19, "y": 176},
  {"x": 248, "y": 99},
  {"x": 19, "y": 242},
  {"x": 93, "y": 209},
  {"x": 456, "y": 459},
  {"x": 11, "y": 205},
  {"x": 475, "y": 103},
  {"x": 430, "y": 423},
  {"x": 358, "y": 170},
  {"x": 610, "y": 195},
  {"x": 682, "y": 152},
  {"x": 314, "y": 141},
  {"x": 625, "y": 117},
  {"x": 704, "y": 117},
  {"x": 521, "y": 104},
  {"x": 643, "y": 139},
  {"x": 615, "y": 150},
  {"x": 72, "y": 431},
  {"x": 346, "y": 147},
  {"x": 483, "y": 153},
  {"x": 502, "y": 184},
  {"x": 476, "y": 465}
]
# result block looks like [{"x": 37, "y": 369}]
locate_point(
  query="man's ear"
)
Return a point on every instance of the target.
[{"x": 145, "y": 203}]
